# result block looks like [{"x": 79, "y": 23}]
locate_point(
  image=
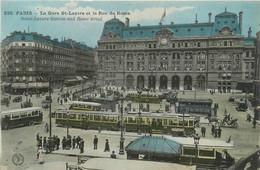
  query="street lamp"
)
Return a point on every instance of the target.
[
  {"x": 139, "y": 113},
  {"x": 122, "y": 150},
  {"x": 196, "y": 140},
  {"x": 68, "y": 124},
  {"x": 195, "y": 86},
  {"x": 26, "y": 91},
  {"x": 50, "y": 100}
]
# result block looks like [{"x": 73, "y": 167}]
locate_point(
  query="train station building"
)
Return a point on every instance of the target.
[{"x": 210, "y": 55}]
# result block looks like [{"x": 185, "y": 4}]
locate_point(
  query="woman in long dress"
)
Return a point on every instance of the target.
[{"x": 40, "y": 158}]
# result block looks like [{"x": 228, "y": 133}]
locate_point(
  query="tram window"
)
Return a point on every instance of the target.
[
  {"x": 209, "y": 153},
  {"x": 131, "y": 120},
  {"x": 111, "y": 119},
  {"x": 148, "y": 120},
  {"x": 15, "y": 116},
  {"x": 164, "y": 121},
  {"x": 72, "y": 116},
  {"x": 29, "y": 114},
  {"x": 84, "y": 116},
  {"x": 191, "y": 123},
  {"x": 65, "y": 116},
  {"x": 105, "y": 118},
  {"x": 185, "y": 123},
  {"x": 190, "y": 151},
  {"x": 181, "y": 123},
  {"x": 34, "y": 113},
  {"x": 23, "y": 114},
  {"x": 97, "y": 117},
  {"x": 90, "y": 117},
  {"x": 173, "y": 122},
  {"x": 59, "y": 115}
]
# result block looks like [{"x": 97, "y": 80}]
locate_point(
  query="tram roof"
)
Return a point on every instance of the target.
[
  {"x": 160, "y": 115},
  {"x": 84, "y": 103},
  {"x": 88, "y": 112},
  {"x": 182, "y": 100},
  {"x": 118, "y": 164},
  {"x": 20, "y": 110},
  {"x": 205, "y": 143}
]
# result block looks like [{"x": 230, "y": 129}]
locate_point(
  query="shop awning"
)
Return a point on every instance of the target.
[
  {"x": 79, "y": 78},
  {"x": 85, "y": 77},
  {"x": 70, "y": 80},
  {"x": 38, "y": 84},
  {"x": 19, "y": 85}
]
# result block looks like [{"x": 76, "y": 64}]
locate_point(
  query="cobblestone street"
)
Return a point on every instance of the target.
[{"x": 23, "y": 139}]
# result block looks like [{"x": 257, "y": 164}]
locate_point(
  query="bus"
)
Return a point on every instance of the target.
[
  {"x": 150, "y": 122},
  {"x": 88, "y": 106},
  {"x": 21, "y": 117}
]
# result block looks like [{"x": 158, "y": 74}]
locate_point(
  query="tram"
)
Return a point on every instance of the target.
[
  {"x": 144, "y": 98},
  {"x": 88, "y": 106},
  {"x": 150, "y": 122},
  {"x": 197, "y": 106},
  {"x": 21, "y": 117}
]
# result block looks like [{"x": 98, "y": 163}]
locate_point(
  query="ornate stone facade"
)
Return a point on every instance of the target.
[{"x": 177, "y": 57}]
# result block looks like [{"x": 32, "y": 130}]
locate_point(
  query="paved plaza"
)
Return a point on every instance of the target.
[{"x": 23, "y": 139}]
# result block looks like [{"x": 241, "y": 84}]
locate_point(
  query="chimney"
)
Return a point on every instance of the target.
[
  {"x": 240, "y": 21},
  {"x": 172, "y": 23},
  {"x": 210, "y": 14},
  {"x": 127, "y": 22},
  {"x": 196, "y": 21},
  {"x": 138, "y": 25},
  {"x": 249, "y": 32}
]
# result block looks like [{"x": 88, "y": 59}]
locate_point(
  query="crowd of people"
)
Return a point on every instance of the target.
[{"x": 64, "y": 97}]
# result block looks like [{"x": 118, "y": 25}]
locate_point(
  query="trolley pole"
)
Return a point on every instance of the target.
[{"x": 50, "y": 105}]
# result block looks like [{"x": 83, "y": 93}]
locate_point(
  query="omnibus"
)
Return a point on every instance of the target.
[
  {"x": 20, "y": 117},
  {"x": 241, "y": 105},
  {"x": 88, "y": 106},
  {"x": 196, "y": 106},
  {"x": 87, "y": 119}
]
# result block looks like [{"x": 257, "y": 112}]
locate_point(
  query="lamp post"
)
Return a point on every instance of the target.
[
  {"x": 122, "y": 150},
  {"x": 50, "y": 100},
  {"x": 195, "y": 86},
  {"x": 68, "y": 124},
  {"x": 139, "y": 113},
  {"x": 27, "y": 83}
]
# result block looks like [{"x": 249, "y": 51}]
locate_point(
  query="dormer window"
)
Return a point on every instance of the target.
[
  {"x": 152, "y": 31},
  {"x": 233, "y": 22},
  {"x": 176, "y": 30},
  {"x": 189, "y": 30},
  {"x": 225, "y": 22},
  {"x": 201, "y": 29}
]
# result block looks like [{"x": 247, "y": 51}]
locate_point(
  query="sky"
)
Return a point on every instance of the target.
[{"x": 141, "y": 12}]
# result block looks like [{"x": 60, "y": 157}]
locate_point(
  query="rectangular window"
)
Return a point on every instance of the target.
[
  {"x": 186, "y": 44},
  {"x": 208, "y": 153},
  {"x": 190, "y": 151},
  {"x": 106, "y": 46},
  {"x": 173, "y": 56},
  {"x": 173, "y": 45},
  {"x": 23, "y": 44},
  {"x": 225, "y": 43},
  {"x": 114, "y": 46},
  {"x": 230, "y": 43},
  {"x": 198, "y": 44},
  {"x": 154, "y": 46},
  {"x": 150, "y": 45},
  {"x": 179, "y": 45},
  {"x": 247, "y": 54}
]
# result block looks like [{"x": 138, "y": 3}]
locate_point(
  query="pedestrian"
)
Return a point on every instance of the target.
[
  {"x": 248, "y": 118},
  {"x": 37, "y": 136},
  {"x": 216, "y": 133},
  {"x": 254, "y": 123},
  {"x": 47, "y": 146},
  {"x": 213, "y": 130},
  {"x": 73, "y": 142},
  {"x": 113, "y": 155},
  {"x": 225, "y": 111},
  {"x": 69, "y": 141},
  {"x": 44, "y": 143},
  {"x": 21, "y": 105},
  {"x": 203, "y": 131},
  {"x": 46, "y": 128},
  {"x": 77, "y": 141},
  {"x": 57, "y": 142},
  {"x": 228, "y": 117},
  {"x": 82, "y": 146},
  {"x": 61, "y": 101},
  {"x": 219, "y": 132},
  {"x": 40, "y": 156},
  {"x": 183, "y": 92},
  {"x": 54, "y": 142},
  {"x": 107, "y": 149},
  {"x": 63, "y": 143},
  {"x": 95, "y": 142}
]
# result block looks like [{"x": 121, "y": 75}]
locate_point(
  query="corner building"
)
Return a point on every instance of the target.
[
  {"x": 30, "y": 60},
  {"x": 212, "y": 55}
]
